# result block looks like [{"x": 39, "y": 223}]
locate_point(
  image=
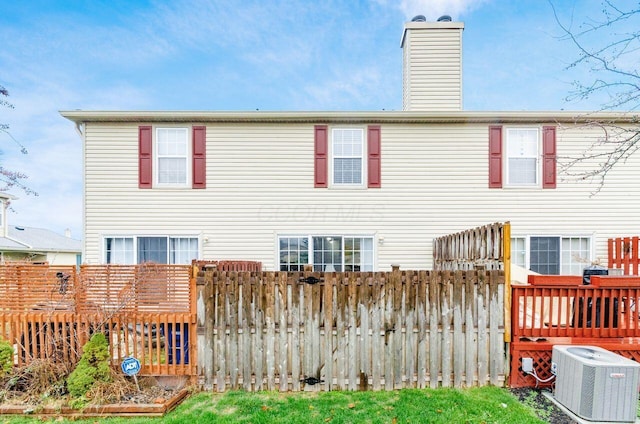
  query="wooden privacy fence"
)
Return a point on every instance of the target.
[
  {"x": 350, "y": 331},
  {"x": 623, "y": 254},
  {"x": 488, "y": 247},
  {"x": 482, "y": 246},
  {"x": 146, "y": 311}
]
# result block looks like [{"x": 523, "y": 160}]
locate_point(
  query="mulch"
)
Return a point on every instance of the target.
[{"x": 547, "y": 410}]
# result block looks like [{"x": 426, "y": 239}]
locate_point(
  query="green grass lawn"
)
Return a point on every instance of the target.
[{"x": 477, "y": 405}]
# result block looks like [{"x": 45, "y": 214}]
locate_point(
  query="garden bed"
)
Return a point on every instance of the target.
[{"x": 146, "y": 403}]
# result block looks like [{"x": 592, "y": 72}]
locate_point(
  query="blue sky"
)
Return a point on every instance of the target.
[{"x": 247, "y": 55}]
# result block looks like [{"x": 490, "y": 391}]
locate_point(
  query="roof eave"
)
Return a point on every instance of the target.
[{"x": 400, "y": 117}]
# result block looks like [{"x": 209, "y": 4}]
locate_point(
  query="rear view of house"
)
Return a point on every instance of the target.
[{"x": 350, "y": 191}]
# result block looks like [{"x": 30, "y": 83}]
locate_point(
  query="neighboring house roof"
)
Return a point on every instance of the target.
[{"x": 26, "y": 239}]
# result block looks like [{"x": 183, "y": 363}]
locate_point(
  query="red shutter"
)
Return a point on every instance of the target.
[
  {"x": 549, "y": 157},
  {"x": 199, "y": 157},
  {"x": 145, "y": 157},
  {"x": 320, "y": 156},
  {"x": 373, "y": 149},
  {"x": 495, "y": 156}
]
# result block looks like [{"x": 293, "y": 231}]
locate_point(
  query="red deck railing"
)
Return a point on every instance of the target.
[{"x": 605, "y": 313}]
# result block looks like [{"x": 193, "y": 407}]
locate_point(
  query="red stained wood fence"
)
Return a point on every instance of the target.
[
  {"x": 623, "y": 254},
  {"x": 146, "y": 311}
]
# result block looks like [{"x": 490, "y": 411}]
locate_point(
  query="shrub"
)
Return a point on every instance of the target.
[
  {"x": 6, "y": 357},
  {"x": 93, "y": 366}
]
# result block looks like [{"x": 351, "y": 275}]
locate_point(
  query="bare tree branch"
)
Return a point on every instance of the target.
[
  {"x": 9, "y": 178},
  {"x": 608, "y": 47}
]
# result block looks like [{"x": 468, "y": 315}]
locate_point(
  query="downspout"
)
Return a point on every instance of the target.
[
  {"x": 81, "y": 130},
  {"x": 19, "y": 242}
]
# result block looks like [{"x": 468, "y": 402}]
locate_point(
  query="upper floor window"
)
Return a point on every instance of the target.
[
  {"x": 347, "y": 147},
  {"x": 172, "y": 157},
  {"x": 522, "y": 156}
]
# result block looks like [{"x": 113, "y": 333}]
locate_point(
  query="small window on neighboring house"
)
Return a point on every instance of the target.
[
  {"x": 522, "y": 156},
  {"x": 347, "y": 149},
  {"x": 326, "y": 253},
  {"x": 172, "y": 157}
]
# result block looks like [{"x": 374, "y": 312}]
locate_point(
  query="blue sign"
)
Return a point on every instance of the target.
[{"x": 130, "y": 366}]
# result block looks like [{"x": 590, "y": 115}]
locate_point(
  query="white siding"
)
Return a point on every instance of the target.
[
  {"x": 260, "y": 184},
  {"x": 432, "y": 66}
]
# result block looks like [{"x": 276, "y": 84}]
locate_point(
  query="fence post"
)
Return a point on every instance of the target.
[
  {"x": 204, "y": 308},
  {"x": 506, "y": 254}
]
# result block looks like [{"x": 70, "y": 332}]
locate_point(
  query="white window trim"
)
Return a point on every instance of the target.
[
  {"x": 310, "y": 237},
  {"x": 135, "y": 237},
  {"x": 505, "y": 149},
  {"x": 364, "y": 158},
  {"x": 188, "y": 154},
  {"x": 527, "y": 245}
]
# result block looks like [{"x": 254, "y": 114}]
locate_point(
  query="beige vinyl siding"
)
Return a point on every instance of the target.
[
  {"x": 432, "y": 67},
  {"x": 260, "y": 185}
]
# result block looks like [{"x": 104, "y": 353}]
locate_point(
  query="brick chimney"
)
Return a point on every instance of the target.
[{"x": 432, "y": 65}]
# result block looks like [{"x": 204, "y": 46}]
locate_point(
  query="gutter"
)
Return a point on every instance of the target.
[{"x": 400, "y": 117}]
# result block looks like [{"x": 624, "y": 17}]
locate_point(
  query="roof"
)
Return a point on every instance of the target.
[
  {"x": 402, "y": 117},
  {"x": 27, "y": 239}
]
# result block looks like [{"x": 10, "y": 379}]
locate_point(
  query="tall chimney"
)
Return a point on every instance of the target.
[{"x": 432, "y": 65}]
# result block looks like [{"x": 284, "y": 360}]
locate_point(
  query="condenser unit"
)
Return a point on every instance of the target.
[{"x": 596, "y": 384}]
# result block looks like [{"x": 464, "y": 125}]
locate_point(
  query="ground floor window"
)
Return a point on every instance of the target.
[
  {"x": 327, "y": 253},
  {"x": 157, "y": 249},
  {"x": 552, "y": 255}
]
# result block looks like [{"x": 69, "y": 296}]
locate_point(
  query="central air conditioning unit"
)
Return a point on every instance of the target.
[{"x": 596, "y": 384}]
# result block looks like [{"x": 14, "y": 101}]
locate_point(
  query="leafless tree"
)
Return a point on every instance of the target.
[
  {"x": 8, "y": 177},
  {"x": 608, "y": 47}
]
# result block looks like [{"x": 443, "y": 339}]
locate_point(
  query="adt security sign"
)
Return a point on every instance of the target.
[{"x": 130, "y": 366}]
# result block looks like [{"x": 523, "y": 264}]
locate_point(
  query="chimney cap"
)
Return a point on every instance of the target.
[
  {"x": 444, "y": 18},
  {"x": 419, "y": 18}
]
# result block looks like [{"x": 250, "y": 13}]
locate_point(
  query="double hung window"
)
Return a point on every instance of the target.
[
  {"x": 347, "y": 149},
  {"x": 172, "y": 147},
  {"x": 523, "y": 156}
]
